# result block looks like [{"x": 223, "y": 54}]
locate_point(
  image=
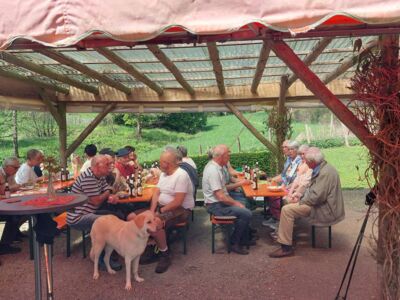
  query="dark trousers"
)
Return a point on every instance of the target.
[{"x": 11, "y": 229}]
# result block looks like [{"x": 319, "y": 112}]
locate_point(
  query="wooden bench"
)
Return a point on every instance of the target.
[
  {"x": 329, "y": 234},
  {"x": 221, "y": 221}
]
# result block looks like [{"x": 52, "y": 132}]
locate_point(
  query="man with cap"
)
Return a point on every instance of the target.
[{"x": 123, "y": 162}]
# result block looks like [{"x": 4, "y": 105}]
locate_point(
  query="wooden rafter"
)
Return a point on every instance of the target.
[
  {"x": 131, "y": 70},
  {"x": 262, "y": 61},
  {"x": 252, "y": 129},
  {"x": 316, "y": 86},
  {"x": 63, "y": 59},
  {"x": 157, "y": 52},
  {"x": 347, "y": 63},
  {"x": 75, "y": 144},
  {"x": 12, "y": 59},
  {"x": 50, "y": 106},
  {"x": 33, "y": 81},
  {"x": 217, "y": 67},
  {"x": 312, "y": 56}
]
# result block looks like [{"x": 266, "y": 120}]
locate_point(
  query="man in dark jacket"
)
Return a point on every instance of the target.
[{"x": 322, "y": 202}]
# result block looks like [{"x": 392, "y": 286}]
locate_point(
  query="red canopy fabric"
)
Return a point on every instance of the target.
[{"x": 66, "y": 22}]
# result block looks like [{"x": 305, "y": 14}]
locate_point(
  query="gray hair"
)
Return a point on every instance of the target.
[
  {"x": 175, "y": 152},
  {"x": 219, "y": 150},
  {"x": 182, "y": 150},
  {"x": 315, "y": 155},
  {"x": 98, "y": 159},
  {"x": 10, "y": 161},
  {"x": 294, "y": 145},
  {"x": 303, "y": 148}
]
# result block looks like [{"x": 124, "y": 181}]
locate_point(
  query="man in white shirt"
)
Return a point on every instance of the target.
[
  {"x": 218, "y": 201},
  {"x": 26, "y": 175},
  {"x": 173, "y": 199}
]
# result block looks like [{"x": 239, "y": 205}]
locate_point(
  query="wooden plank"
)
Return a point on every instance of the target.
[
  {"x": 75, "y": 144},
  {"x": 347, "y": 63},
  {"x": 316, "y": 86},
  {"x": 33, "y": 81},
  {"x": 12, "y": 59},
  {"x": 131, "y": 70},
  {"x": 62, "y": 133},
  {"x": 262, "y": 61},
  {"x": 158, "y": 53},
  {"x": 65, "y": 60},
  {"x": 252, "y": 129},
  {"x": 217, "y": 67},
  {"x": 50, "y": 106},
  {"x": 312, "y": 56}
]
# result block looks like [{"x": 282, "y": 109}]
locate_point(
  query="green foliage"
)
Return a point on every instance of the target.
[
  {"x": 184, "y": 122},
  {"x": 334, "y": 142}
]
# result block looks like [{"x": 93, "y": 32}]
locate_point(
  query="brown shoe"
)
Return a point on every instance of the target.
[
  {"x": 163, "y": 263},
  {"x": 278, "y": 253},
  {"x": 239, "y": 249}
]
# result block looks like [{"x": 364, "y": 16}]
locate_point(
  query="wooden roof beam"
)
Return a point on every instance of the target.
[
  {"x": 318, "y": 88},
  {"x": 65, "y": 60},
  {"x": 75, "y": 144},
  {"x": 347, "y": 63},
  {"x": 33, "y": 81},
  {"x": 12, "y": 59},
  {"x": 312, "y": 56},
  {"x": 158, "y": 53},
  {"x": 262, "y": 61},
  {"x": 217, "y": 67},
  {"x": 131, "y": 70}
]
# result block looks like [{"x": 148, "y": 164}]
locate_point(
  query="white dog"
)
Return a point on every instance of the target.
[{"x": 129, "y": 239}]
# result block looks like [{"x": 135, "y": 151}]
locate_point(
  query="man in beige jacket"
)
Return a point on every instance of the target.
[{"x": 322, "y": 202}]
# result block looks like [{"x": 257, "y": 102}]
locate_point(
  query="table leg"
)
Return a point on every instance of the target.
[
  {"x": 36, "y": 256},
  {"x": 49, "y": 270}
]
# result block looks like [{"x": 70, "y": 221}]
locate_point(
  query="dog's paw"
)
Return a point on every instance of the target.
[
  {"x": 128, "y": 286},
  {"x": 96, "y": 276},
  {"x": 139, "y": 279},
  {"x": 111, "y": 271}
]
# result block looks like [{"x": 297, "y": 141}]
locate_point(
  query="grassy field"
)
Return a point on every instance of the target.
[{"x": 220, "y": 129}]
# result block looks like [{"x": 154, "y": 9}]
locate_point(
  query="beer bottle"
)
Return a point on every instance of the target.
[
  {"x": 139, "y": 187},
  {"x": 62, "y": 175},
  {"x": 7, "y": 191}
]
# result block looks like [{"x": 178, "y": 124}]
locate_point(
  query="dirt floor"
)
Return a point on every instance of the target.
[{"x": 310, "y": 274}]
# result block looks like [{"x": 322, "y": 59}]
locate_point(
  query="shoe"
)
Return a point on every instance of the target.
[
  {"x": 148, "y": 259},
  {"x": 278, "y": 253},
  {"x": 273, "y": 226},
  {"x": 269, "y": 221},
  {"x": 273, "y": 235},
  {"x": 248, "y": 243},
  {"x": 239, "y": 249},
  {"x": 115, "y": 265},
  {"x": 8, "y": 249},
  {"x": 163, "y": 263}
]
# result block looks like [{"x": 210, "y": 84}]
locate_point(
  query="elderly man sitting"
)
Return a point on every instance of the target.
[
  {"x": 218, "y": 201},
  {"x": 173, "y": 199},
  {"x": 26, "y": 174},
  {"x": 322, "y": 202}
]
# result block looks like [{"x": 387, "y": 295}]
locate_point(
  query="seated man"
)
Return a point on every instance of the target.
[
  {"x": 123, "y": 162},
  {"x": 90, "y": 152},
  {"x": 26, "y": 175},
  {"x": 134, "y": 162},
  {"x": 11, "y": 229},
  {"x": 173, "y": 199},
  {"x": 322, "y": 202},
  {"x": 185, "y": 157},
  {"x": 218, "y": 201}
]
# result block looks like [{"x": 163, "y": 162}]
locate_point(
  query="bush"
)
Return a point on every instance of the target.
[
  {"x": 334, "y": 142},
  {"x": 184, "y": 122}
]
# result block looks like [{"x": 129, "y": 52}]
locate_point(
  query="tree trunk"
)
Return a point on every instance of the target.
[
  {"x": 138, "y": 128},
  {"x": 15, "y": 133}
]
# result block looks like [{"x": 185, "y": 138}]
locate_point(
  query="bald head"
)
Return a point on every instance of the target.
[
  {"x": 221, "y": 154},
  {"x": 169, "y": 160},
  {"x": 101, "y": 165}
]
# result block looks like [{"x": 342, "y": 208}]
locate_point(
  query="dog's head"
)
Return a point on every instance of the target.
[{"x": 146, "y": 222}]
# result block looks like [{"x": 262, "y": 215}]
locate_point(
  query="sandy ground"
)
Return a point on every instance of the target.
[{"x": 310, "y": 274}]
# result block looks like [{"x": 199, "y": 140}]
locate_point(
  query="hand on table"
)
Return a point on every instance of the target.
[
  {"x": 245, "y": 182},
  {"x": 113, "y": 199}
]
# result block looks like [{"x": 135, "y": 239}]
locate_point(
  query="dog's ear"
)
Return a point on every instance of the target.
[{"x": 139, "y": 220}]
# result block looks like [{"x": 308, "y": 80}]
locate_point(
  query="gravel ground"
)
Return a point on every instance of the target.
[{"x": 310, "y": 274}]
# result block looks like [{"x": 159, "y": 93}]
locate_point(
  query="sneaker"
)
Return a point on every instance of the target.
[
  {"x": 273, "y": 226},
  {"x": 163, "y": 263},
  {"x": 115, "y": 265},
  {"x": 239, "y": 249},
  {"x": 269, "y": 221},
  {"x": 8, "y": 249}
]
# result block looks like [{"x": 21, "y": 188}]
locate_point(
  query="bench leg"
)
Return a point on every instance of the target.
[
  {"x": 330, "y": 236},
  {"x": 212, "y": 238},
  {"x": 30, "y": 232},
  {"x": 184, "y": 233},
  {"x": 313, "y": 236},
  {"x": 68, "y": 238},
  {"x": 228, "y": 237},
  {"x": 84, "y": 243}
]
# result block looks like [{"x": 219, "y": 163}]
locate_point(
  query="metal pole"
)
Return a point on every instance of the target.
[
  {"x": 36, "y": 256},
  {"x": 49, "y": 270}
]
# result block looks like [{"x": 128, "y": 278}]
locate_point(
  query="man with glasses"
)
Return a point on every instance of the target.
[{"x": 11, "y": 229}]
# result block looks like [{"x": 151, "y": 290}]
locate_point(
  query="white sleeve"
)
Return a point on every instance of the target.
[
  {"x": 182, "y": 183},
  {"x": 215, "y": 180},
  {"x": 22, "y": 176}
]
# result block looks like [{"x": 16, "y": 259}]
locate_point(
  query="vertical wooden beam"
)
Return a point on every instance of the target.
[
  {"x": 62, "y": 133},
  {"x": 280, "y": 136},
  {"x": 312, "y": 56},
  {"x": 217, "y": 67},
  {"x": 75, "y": 144},
  {"x": 50, "y": 106},
  {"x": 158, "y": 53},
  {"x": 252, "y": 129},
  {"x": 262, "y": 61},
  {"x": 316, "y": 86}
]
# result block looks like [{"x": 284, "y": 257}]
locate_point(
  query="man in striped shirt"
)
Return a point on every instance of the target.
[{"x": 92, "y": 183}]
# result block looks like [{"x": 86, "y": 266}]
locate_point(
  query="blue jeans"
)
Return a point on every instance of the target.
[
  {"x": 240, "y": 196},
  {"x": 242, "y": 222}
]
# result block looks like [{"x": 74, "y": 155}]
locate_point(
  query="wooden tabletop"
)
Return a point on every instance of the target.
[
  {"x": 262, "y": 191},
  {"x": 41, "y": 188}
]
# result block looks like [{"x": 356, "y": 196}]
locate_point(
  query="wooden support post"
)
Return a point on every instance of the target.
[
  {"x": 271, "y": 147},
  {"x": 75, "y": 144},
  {"x": 281, "y": 136},
  {"x": 62, "y": 133},
  {"x": 315, "y": 85}
]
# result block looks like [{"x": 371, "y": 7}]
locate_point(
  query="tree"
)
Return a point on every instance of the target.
[{"x": 184, "y": 122}]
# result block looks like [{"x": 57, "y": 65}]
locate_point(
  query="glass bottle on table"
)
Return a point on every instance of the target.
[
  {"x": 7, "y": 191},
  {"x": 139, "y": 187},
  {"x": 62, "y": 175}
]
